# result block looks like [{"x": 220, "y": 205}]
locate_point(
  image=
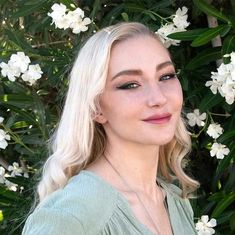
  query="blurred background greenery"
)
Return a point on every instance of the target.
[{"x": 31, "y": 112}]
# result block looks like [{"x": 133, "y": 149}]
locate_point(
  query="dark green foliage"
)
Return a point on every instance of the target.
[{"x": 31, "y": 112}]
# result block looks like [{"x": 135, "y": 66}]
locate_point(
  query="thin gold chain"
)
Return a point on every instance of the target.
[{"x": 137, "y": 195}]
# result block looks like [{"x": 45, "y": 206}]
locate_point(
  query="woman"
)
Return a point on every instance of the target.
[{"x": 119, "y": 143}]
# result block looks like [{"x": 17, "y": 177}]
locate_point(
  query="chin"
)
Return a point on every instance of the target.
[{"x": 159, "y": 140}]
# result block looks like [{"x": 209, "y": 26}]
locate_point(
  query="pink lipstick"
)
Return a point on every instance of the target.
[{"x": 158, "y": 119}]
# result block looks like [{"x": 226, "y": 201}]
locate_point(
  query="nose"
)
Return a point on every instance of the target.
[{"x": 156, "y": 96}]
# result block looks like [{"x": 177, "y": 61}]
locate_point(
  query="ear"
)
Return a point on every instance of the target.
[{"x": 100, "y": 118}]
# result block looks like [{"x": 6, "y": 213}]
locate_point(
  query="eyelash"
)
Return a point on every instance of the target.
[{"x": 134, "y": 85}]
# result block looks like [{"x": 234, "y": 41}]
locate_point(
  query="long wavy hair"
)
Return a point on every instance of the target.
[{"x": 78, "y": 139}]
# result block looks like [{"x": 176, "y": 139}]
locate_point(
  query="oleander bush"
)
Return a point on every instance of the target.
[{"x": 38, "y": 44}]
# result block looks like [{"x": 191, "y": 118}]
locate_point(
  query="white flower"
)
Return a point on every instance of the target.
[
  {"x": 223, "y": 80},
  {"x": 73, "y": 19},
  {"x": 204, "y": 226},
  {"x": 75, "y": 15},
  {"x": 19, "y": 60},
  {"x": 214, "y": 130},
  {"x": 3, "y": 138},
  {"x": 19, "y": 63},
  {"x": 1, "y": 119},
  {"x": 32, "y": 74},
  {"x": 15, "y": 169},
  {"x": 10, "y": 71},
  {"x": 215, "y": 84},
  {"x": 2, "y": 174},
  {"x": 219, "y": 150},
  {"x": 26, "y": 175},
  {"x": 11, "y": 186},
  {"x": 58, "y": 16},
  {"x": 21, "y": 189},
  {"x": 232, "y": 57},
  {"x": 164, "y": 31},
  {"x": 180, "y": 18},
  {"x": 58, "y": 11},
  {"x": 228, "y": 91},
  {"x": 62, "y": 23},
  {"x": 80, "y": 26},
  {"x": 179, "y": 24},
  {"x": 196, "y": 118}
]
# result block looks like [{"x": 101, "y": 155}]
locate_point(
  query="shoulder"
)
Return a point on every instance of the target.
[{"x": 80, "y": 203}]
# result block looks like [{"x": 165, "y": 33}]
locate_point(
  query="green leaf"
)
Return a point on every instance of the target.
[
  {"x": 20, "y": 124},
  {"x": 230, "y": 183},
  {"x": 20, "y": 101},
  {"x": 228, "y": 44},
  {"x": 150, "y": 14},
  {"x": 223, "y": 204},
  {"x": 232, "y": 221},
  {"x": 188, "y": 35},
  {"x": 209, "y": 34},
  {"x": 1, "y": 216},
  {"x": 20, "y": 180},
  {"x": 210, "y": 10},
  {"x": 160, "y": 4},
  {"x": 216, "y": 197},
  {"x": 35, "y": 139},
  {"x": 27, "y": 116},
  {"x": 96, "y": 8},
  {"x": 226, "y": 136},
  {"x": 18, "y": 39},
  {"x": 133, "y": 7},
  {"x": 40, "y": 112},
  {"x": 3, "y": 2},
  {"x": 125, "y": 16},
  {"x": 205, "y": 57},
  {"x": 28, "y": 9},
  {"x": 11, "y": 195},
  {"x": 209, "y": 101},
  {"x": 224, "y": 163}
]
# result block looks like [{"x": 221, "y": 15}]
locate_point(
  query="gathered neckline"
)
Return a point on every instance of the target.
[{"x": 123, "y": 199}]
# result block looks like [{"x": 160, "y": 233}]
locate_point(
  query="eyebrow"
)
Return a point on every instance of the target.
[{"x": 137, "y": 72}]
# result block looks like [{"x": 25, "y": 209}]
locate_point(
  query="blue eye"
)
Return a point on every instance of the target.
[
  {"x": 168, "y": 76},
  {"x": 128, "y": 86}
]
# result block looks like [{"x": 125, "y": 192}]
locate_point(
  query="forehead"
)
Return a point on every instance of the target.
[{"x": 141, "y": 52}]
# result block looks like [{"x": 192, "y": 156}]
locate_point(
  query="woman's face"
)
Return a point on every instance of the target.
[{"x": 142, "y": 99}]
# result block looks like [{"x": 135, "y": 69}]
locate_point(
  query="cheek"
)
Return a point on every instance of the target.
[
  {"x": 112, "y": 106},
  {"x": 175, "y": 94},
  {"x": 179, "y": 95}
]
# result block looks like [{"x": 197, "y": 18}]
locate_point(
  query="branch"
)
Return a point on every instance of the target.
[
  {"x": 4, "y": 163},
  {"x": 50, "y": 43},
  {"x": 216, "y": 42}
]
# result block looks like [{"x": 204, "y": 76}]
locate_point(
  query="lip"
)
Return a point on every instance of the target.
[{"x": 158, "y": 119}]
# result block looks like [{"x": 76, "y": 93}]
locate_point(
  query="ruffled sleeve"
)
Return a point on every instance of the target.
[{"x": 50, "y": 221}]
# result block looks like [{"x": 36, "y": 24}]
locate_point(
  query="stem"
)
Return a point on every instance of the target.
[
  {"x": 50, "y": 43},
  {"x": 199, "y": 133},
  {"x": 220, "y": 114},
  {"x": 3, "y": 162},
  {"x": 17, "y": 139},
  {"x": 162, "y": 18}
]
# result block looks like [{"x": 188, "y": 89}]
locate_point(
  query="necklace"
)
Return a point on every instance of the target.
[{"x": 136, "y": 194}]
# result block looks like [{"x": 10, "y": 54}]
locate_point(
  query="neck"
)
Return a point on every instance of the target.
[{"x": 137, "y": 164}]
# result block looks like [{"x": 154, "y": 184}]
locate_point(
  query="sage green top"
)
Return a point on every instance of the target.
[{"x": 88, "y": 205}]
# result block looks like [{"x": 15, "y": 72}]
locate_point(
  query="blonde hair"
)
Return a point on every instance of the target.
[{"x": 78, "y": 140}]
